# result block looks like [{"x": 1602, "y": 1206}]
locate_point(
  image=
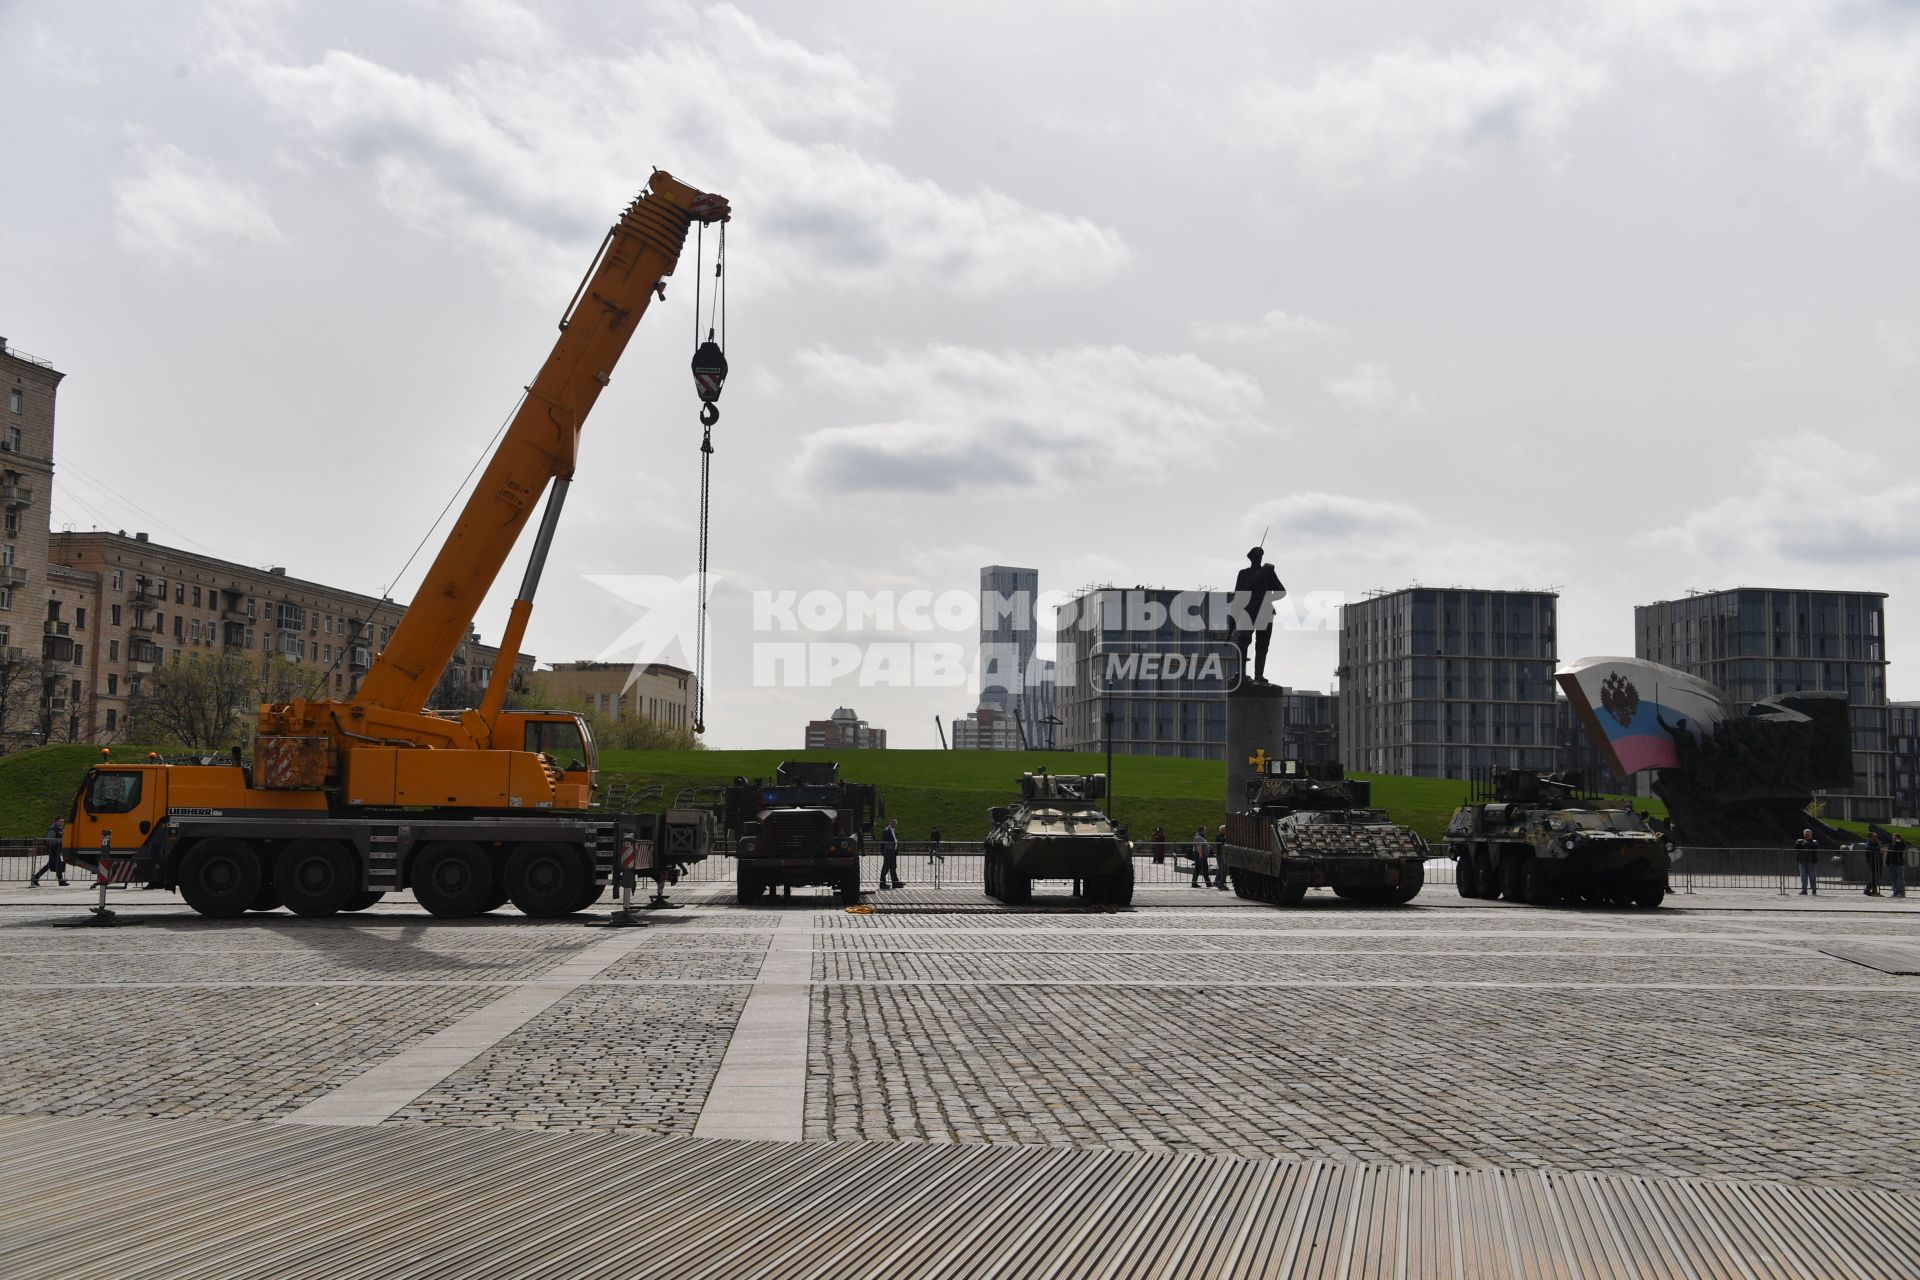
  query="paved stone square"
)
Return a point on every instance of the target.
[{"x": 1710, "y": 1039}]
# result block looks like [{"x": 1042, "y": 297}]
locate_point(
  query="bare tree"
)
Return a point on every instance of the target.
[
  {"x": 22, "y": 693},
  {"x": 202, "y": 701}
]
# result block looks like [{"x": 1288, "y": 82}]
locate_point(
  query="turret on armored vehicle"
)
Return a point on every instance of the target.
[
  {"x": 1535, "y": 838},
  {"x": 1308, "y": 825},
  {"x": 1056, "y": 831}
]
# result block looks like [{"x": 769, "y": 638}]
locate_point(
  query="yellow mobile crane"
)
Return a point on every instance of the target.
[{"x": 350, "y": 799}]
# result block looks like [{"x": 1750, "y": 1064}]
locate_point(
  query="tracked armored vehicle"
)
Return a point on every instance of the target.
[
  {"x": 1534, "y": 838},
  {"x": 1056, "y": 831},
  {"x": 805, "y": 827},
  {"x": 1308, "y": 826}
]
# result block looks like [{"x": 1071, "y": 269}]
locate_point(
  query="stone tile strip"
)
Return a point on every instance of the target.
[
  {"x": 761, "y": 1090},
  {"x": 378, "y": 1093}
]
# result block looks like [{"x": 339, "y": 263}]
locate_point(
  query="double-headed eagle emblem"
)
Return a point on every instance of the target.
[{"x": 1619, "y": 697}]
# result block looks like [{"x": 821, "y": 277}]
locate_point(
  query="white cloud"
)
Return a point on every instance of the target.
[
  {"x": 528, "y": 158},
  {"x": 1274, "y": 329},
  {"x": 1313, "y": 516},
  {"x": 1411, "y": 108},
  {"x": 962, "y": 419},
  {"x": 1368, "y": 391},
  {"x": 1809, "y": 499},
  {"x": 1849, "y": 69},
  {"x": 178, "y": 208}
]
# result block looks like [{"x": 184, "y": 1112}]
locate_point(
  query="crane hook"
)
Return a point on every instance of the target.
[{"x": 709, "y": 414}]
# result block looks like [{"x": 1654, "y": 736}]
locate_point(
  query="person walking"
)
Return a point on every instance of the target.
[
  {"x": 936, "y": 856},
  {"x": 890, "y": 854},
  {"x": 1159, "y": 838},
  {"x": 56, "y": 860},
  {"x": 1898, "y": 851},
  {"x": 1805, "y": 850},
  {"x": 1873, "y": 865},
  {"x": 1219, "y": 858},
  {"x": 1199, "y": 858}
]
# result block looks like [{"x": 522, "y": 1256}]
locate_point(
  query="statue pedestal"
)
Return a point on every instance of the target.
[{"x": 1256, "y": 727}]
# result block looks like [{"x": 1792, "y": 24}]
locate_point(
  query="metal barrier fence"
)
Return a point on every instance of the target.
[{"x": 959, "y": 865}]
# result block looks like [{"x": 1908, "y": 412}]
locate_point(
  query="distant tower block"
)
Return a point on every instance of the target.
[{"x": 1256, "y": 730}]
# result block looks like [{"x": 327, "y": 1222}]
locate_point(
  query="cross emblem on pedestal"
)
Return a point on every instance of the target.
[{"x": 1258, "y": 759}]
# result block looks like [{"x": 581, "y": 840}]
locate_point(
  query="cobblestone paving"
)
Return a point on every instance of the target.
[
  {"x": 1058, "y": 1029},
  {"x": 607, "y": 1058},
  {"x": 234, "y": 1053}
]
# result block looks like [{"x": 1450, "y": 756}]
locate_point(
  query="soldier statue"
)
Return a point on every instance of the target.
[{"x": 1254, "y": 592}]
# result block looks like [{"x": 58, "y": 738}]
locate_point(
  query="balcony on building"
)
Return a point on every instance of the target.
[
  {"x": 15, "y": 496},
  {"x": 358, "y": 660},
  {"x": 143, "y": 592},
  {"x": 144, "y": 655},
  {"x": 12, "y": 575},
  {"x": 147, "y": 620},
  {"x": 56, "y": 644}
]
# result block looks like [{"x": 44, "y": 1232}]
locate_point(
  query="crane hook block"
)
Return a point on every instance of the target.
[
  {"x": 709, "y": 414},
  {"x": 709, "y": 370}
]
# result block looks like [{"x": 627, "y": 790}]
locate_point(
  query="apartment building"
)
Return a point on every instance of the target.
[{"x": 659, "y": 691}]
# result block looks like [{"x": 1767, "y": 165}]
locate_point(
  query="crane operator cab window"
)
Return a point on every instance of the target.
[
  {"x": 113, "y": 793},
  {"x": 561, "y": 741}
]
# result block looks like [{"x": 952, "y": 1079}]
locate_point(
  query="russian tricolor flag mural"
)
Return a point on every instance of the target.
[{"x": 1629, "y": 704}]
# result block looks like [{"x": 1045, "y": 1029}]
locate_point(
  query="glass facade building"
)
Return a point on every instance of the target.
[
  {"x": 1441, "y": 682},
  {"x": 1755, "y": 642},
  {"x": 1903, "y": 743},
  {"x": 1186, "y": 719}
]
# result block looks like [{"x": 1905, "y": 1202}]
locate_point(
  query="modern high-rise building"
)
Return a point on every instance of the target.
[
  {"x": 1443, "y": 682},
  {"x": 1313, "y": 726},
  {"x": 1185, "y": 717},
  {"x": 1008, "y": 633},
  {"x": 1755, "y": 642},
  {"x": 1903, "y": 744}
]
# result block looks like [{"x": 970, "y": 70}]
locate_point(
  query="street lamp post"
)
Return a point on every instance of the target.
[{"x": 1108, "y": 716}]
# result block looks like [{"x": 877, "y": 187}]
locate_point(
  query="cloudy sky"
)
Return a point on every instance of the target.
[{"x": 1618, "y": 298}]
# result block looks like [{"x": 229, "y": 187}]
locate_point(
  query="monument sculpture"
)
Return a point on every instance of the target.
[
  {"x": 1729, "y": 779},
  {"x": 1255, "y": 591}
]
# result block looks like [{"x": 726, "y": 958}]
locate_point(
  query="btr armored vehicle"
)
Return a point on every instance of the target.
[
  {"x": 1056, "y": 831},
  {"x": 806, "y": 827},
  {"x": 1308, "y": 826},
  {"x": 1531, "y": 837}
]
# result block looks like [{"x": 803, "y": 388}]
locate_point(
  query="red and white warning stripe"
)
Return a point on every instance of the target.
[
  {"x": 636, "y": 855},
  {"x": 115, "y": 871}
]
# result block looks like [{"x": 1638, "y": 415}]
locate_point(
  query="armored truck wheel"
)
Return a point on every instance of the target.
[
  {"x": 1485, "y": 884},
  {"x": 1466, "y": 876},
  {"x": 1533, "y": 885},
  {"x": 219, "y": 878},
  {"x": 746, "y": 886},
  {"x": 1290, "y": 895},
  {"x": 850, "y": 888},
  {"x": 1511, "y": 886},
  {"x": 1649, "y": 892}
]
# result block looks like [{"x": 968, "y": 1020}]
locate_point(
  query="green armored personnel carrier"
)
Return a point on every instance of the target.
[
  {"x": 1056, "y": 831},
  {"x": 1308, "y": 825},
  {"x": 1531, "y": 837}
]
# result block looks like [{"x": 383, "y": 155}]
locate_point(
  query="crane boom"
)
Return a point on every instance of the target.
[{"x": 541, "y": 443}]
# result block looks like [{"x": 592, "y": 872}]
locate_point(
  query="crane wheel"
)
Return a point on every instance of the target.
[
  {"x": 547, "y": 879},
  {"x": 361, "y": 899},
  {"x": 452, "y": 878},
  {"x": 267, "y": 898},
  {"x": 220, "y": 878},
  {"x": 589, "y": 894},
  {"x": 314, "y": 877}
]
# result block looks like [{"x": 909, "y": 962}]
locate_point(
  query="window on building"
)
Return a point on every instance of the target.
[
  {"x": 113, "y": 615},
  {"x": 113, "y": 685},
  {"x": 193, "y": 632},
  {"x": 117, "y": 584},
  {"x": 113, "y": 718},
  {"x": 196, "y": 597},
  {"x": 79, "y": 654},
  {"x": 249, "y": 637},
  {"x": 53, "y": 611},
  {"x": 179, "y": 593},
  {"x": 13, "y": 440},
  {"x": 16, "y": 400},
  {"x": 79, "y": 619},
  {"x": 6, "y": 597},
  {"x": 113, "y": 651},
  {"x": 13, "y": 524},
  {"x": 176, "y": 626}
]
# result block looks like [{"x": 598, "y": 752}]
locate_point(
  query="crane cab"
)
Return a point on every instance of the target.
[{"x": 563, "y": 738}]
